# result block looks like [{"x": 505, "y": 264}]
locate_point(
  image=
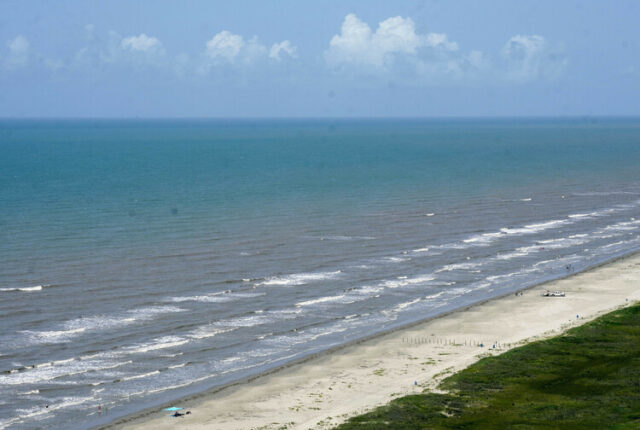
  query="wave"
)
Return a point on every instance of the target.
[
  {"x": 139, "y": 376},
  {"x": 404, "y": 305},
  {"x": 421, "y": 250},
  {"x": 403, "y": 281},
  {"x": 214, "y": 298},
  {"x": 163, "y": 342},
  {"x": 497, "y": 278},
  {"x": 458, "y": 266},
  {"x": 485, "y": 239},
  {"x": 257, "y": 318},
  {"x": 602, "y": 193},
  {"x": 623, "y": 226},
  {"x": 535, "y": 228},
  {"x": 345, "y": 238},
  {"x": 434, "y": 296},
  {"x": 76, "y": 327},
  {"x": 396, "y": 259},
  {"x": 48, "y": 372},
  {"x": 338, "y": 298},
  {"x": 39, "y": 413},
  {"x": 24, "y": 289},
  {"x": 349, "y": 296},
  {"x": 299, "y": 278},
  {"x": 205, "y": 332}
]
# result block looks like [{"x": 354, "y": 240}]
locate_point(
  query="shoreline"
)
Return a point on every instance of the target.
[{"x": 289, "y": 393}]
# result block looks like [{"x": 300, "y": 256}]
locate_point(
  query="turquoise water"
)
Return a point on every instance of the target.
[{"x": 143, "y": 260}]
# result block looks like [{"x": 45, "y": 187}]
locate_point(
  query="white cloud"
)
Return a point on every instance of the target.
[
  {"x": 396, "y": 51},
  {"x": 142, "y": 43},
  {"x": 284, "y": 46},
  {"x": 19, "y": 45},
  {"x": 19, "y": 49},
  {"x": 229, "y": 48},
  {"x": 103, "y": 53},
  {"x": 440, "y": 40},
  {"x": 530, "y": 57},
  {"x": 225, "y": 45},
  {"x": 395, "y": 37}
]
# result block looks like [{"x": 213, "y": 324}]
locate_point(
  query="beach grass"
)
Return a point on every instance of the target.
[{"x": 587, "y": 378}]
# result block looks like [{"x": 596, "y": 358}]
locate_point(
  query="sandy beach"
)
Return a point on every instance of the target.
[{"x": 326, "y": 390}]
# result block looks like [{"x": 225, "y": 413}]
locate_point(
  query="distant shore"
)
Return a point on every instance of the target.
[{"x": 323, "y": 391}]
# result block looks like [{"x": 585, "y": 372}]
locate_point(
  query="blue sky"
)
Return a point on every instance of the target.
[{"x": 318, "y": 58}]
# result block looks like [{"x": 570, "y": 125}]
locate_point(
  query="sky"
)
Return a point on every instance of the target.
[{"x": 366, "y": 58}]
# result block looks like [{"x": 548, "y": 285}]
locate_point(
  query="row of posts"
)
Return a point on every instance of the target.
[{"x": 443, "y": 341}]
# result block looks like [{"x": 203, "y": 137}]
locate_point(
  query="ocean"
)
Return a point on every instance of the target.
[{"x": 145, "y": 260}]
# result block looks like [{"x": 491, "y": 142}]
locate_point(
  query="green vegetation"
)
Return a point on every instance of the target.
[{"x": 587, "y": 378}]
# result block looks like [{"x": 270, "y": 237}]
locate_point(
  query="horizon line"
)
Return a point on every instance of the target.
[{"x": 254, "y": 118}]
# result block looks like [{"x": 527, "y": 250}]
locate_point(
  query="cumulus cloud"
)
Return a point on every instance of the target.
[
  {"x": 530, "y": 57},
  {"x": 283, "y": 47},
  {"x": 142, "y": 43},
  {"x": 100, "y": 53},
  {"x": 18, "y": 56},
  {"x": 358, "y": 45},
  {"x": 396, "y": 51},
  {"x": 225, "y": 45},
  {"x": 229, "y": 48}
]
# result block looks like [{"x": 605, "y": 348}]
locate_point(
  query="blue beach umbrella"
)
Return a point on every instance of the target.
[{"x": 172, "y": 408}]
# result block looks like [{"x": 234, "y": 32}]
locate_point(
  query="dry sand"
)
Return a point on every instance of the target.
[{"x": 326, "y": 390}]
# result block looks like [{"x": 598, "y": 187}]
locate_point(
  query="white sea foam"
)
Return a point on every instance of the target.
[
  {"x": 140, "y": 376},
  {"x": 528, "y": 199},
  {"x": 39, "y": 413},
  {"x": 346, "y": 238},
  {"x": 214, "y": 298},
  {"x": 286, "y": 341},
  {"x": 65, "y": 368},
  {"x": 164, "y": 342},
  {"x": 458, "y": 266},
  {"x": 403, "y": 282},
  {"x": 177, "y": 366},
  {"x": 397, "y": 259},
  {"x": 483, "y": 239},
  {"x": 327, "y": 299},
  {"x": 496, "y": 278},
  {"x": 76, "y": 327},
  {"x": 300, "y": 278},
  {"x": 520, "y": 252},
  {"x": 587, "y": 215},
  {"x": 610, "y": 245},
  {"x": 457, "y": 291},
  {"x": 206, "y": 332},
  {"x": 602, "y": 193},
  {"x": 421, "y": 250},
  {"x": 24, "y": 289},
  {"x": 366, "y": 290},
  {"x": 623, "y": 226},
  {"x": 258, "y": 318},
  {"x": 405, "y": 305},
  {"x": 535, "y": 228},
  {"x": 203, "y": 299}
]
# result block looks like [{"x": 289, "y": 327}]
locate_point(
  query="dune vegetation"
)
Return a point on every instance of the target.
[{"x": 586, "y": 378}]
